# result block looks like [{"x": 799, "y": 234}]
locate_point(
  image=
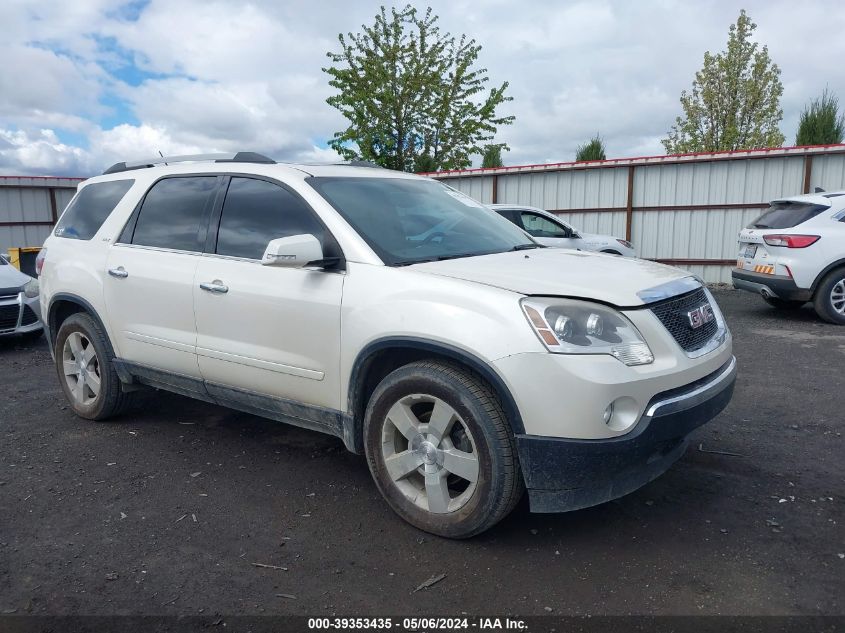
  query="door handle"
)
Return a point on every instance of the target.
[
  {"x": 215, "y": 286},
  {"x": 118, "y": 272}
]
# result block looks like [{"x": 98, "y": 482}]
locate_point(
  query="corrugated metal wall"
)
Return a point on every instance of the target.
[
  {"x": 29, "y": 207},
  {"x": 678, "y": 208}
]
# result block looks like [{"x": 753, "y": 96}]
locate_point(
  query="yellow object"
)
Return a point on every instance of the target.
[
  {"x": 766, "y": 270},
  {"x": 22, "y": 253}
]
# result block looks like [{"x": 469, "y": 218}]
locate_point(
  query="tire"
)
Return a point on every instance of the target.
[
  {"x": 829, "y": 300},
  {"x": 471, "y": 436},
  {"x": 783, "y": 304},
  {"x": 78, "y": 334}
]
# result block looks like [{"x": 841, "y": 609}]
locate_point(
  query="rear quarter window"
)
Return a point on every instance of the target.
[
  {"x": 89, "y": 209},
  {"x": 785, "y": 215}
]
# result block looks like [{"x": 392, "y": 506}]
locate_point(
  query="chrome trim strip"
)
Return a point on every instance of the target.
[
  {"x": 160, "y": 342},
  {"x": 258, "y": 363},
  {"x": 157, "y": 249},
  {"x": 670, "y": 289},
  {"x": 695, "y": 397}
]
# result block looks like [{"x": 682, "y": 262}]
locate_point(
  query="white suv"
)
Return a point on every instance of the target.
[
  {"x": 795, "y": 253},
  {"x": 466, "y": 361}
]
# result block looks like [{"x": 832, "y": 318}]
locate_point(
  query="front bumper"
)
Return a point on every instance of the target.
[
  {"x": 19, "y": 314},
  {"x": 569, "y": 474},
  {"x": 777, "y": 286}
]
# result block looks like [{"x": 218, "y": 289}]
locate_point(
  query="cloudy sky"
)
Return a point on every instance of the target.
[{"x": 85, "y": 83}]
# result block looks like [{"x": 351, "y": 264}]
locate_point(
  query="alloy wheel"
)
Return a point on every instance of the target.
[
  {"x": 837, "y": 297},
  {"x": 81, "y": 368},
  {"x": 430, "y": 453}
]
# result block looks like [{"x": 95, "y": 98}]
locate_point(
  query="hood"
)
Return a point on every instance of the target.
[
  {"x": 11, "y": 279},
  {"x": 561, "y": 272}
]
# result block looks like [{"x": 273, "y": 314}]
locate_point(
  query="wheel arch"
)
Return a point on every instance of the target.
[
  {"x": 830, "y": 267},
  {"x": 382, "y": 356},
  {"x": 63, "y": 305}
]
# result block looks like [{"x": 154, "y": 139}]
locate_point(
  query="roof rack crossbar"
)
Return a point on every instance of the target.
[{"x": 225, "y": 157}]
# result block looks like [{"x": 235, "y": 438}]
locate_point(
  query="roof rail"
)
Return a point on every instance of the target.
[{"x": 230, "y": 157}]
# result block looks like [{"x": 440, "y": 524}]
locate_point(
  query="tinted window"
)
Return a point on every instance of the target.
[
  {"x": 86, "y": 213},
  {"x": 175, "y": 213},
  {"x": 255, "y": 212},
  {"x": 538, "y": 226},
  {"x": 408, "y": 220},
  {"x": 785, "y": 215}
]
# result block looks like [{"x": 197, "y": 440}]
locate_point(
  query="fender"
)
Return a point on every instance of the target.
[
  {"x": 826, "y": 270},
  {"x": 50, "y": 331},
  {"x": 356, "y": 379}
]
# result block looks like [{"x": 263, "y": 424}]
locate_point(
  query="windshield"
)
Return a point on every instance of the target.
[
  {"x": 407, "y": 221},
  {"x": 786, "y": 214}
]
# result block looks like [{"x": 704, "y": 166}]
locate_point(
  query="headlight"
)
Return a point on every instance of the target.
[
  {"x": 30, "y": 289},
  {"x": 567, "y": 326}
]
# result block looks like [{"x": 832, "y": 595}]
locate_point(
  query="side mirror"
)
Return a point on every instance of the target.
[{"x": 296, "y": 251}]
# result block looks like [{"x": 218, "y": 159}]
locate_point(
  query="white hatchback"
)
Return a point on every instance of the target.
[
  {"x": 466, "y": 361},
  {"x": 795, "y": 253},
  {"x": 549, "y": 230}
]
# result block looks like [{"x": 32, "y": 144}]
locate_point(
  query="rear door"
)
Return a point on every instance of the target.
[
  {"x": 265, "y": 329},
  {"x": 150, "y": 274}
]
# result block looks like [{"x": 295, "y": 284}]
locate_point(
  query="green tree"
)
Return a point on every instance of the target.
[
  {"x": 492, "y": 156},
  {"x": 734, "y": 102},
  {"x": 591, "y": 150},
  {"x": 411, "y": 94},
  {"x": 821, "y": 122}
]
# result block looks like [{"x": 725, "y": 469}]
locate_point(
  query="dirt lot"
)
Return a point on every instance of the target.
[{"x": 165, "y": 510}]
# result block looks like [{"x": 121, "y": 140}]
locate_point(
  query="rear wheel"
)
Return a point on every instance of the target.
[
  {"x": 829, "y": 300},
  {"x": 84, "y": 365},
  {"x": 783, "y": 304},
  {"x": 440, "y": 449}
]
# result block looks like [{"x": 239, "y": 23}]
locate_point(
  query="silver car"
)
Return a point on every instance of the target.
[
  {"x": 550, "y": 230},
  {"x": 20, "y": 312}
]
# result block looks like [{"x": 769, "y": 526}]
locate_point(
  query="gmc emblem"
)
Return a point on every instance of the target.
[{"x": 701, "y": 315}]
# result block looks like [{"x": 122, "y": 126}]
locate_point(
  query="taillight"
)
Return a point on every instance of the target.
[
  {"x": 39, "y": 261},
  {"x": 625, "y": 243},
  {"x": 791, "y": 241}
]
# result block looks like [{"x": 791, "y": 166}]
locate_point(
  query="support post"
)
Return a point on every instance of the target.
[
  {"x": 808, "y": 171},
  {"x": 629, "y": 205}
]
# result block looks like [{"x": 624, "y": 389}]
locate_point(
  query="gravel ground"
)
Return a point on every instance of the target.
[{"x": 168, "y": 509}]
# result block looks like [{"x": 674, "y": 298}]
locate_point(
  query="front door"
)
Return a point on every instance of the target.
[
  {"x": 548, "y": 232},
  {"x": 261, "y": 329}
]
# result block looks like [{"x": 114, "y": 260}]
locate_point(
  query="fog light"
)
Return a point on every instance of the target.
[{"x": 608, "y": 413}]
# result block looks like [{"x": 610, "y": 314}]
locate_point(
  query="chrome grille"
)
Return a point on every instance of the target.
[{"x": 674, "y": 315}]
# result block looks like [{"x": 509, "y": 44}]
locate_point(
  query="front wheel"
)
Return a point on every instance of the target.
[
  {"x": 440, "y": 449},
  {"x": 829, "y": 300}
]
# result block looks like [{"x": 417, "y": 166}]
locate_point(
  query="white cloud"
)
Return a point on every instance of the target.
[{"x": 247, "y": 76}]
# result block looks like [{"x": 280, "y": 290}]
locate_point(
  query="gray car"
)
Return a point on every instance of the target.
[{"x": 20, "y": 311}]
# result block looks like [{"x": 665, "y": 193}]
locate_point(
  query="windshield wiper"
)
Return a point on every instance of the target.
[{"x": 526, "y": 247}]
